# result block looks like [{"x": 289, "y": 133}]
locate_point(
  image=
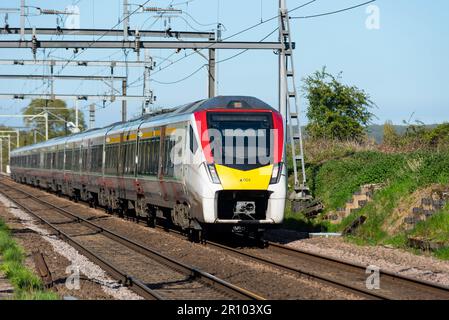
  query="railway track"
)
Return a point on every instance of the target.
[
  {"x": 339, "y": 273},
  {"x": 333, "y": 272},
  {"x": 194, "y": 282}
]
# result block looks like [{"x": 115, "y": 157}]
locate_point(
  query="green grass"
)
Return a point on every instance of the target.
[
  {"x": 27, "y": 285},
  {"x": 436, "y": 228},
  {"x": 442, "y": 254},
  {"x": 335, "y": 180}
]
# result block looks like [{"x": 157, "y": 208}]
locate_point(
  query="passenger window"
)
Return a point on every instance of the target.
[{"x": 193, "y": 143}]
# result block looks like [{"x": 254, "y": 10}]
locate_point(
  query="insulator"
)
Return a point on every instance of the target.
[
  {"x": 34, "y": 45},
  {"x": 137, "y": 43},
  {"x": 51, "y": 11},
  {"x": 156, "y": 9},
  {"x": 219, "y": 31}
]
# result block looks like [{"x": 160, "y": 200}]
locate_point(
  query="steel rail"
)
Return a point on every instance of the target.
[
  {"x": 326, "y": 280},
  {"x": 178, "y": 266},
  {"x": 134, "y": 284},
  {"x": 323, "y": 279},
  {"x": 420, "y": 284},
  {"x": 393, "y": 276}
]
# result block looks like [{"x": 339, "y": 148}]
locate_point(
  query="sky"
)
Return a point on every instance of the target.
[{"x": 402, "y": 63}]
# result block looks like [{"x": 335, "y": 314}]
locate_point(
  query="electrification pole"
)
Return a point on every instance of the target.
[
  {"x": 211, "y": 73},
  {"x": 91, "y": 116},
  {"x": 282, "y": 69},
  {"x": 9, "y": 148},
  {"x": 124, "y": 103},
  {"x": 125, "y": 20},
  {"x": 22, "y": 20},
  {"x": 1, "y": 155},
  {"x": 76, "y": 114}
]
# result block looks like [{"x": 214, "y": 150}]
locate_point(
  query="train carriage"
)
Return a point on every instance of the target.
[{"x": 212, "y": 163}]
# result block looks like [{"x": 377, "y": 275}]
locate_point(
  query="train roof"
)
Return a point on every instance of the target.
[{"x": 220, "y": 102}]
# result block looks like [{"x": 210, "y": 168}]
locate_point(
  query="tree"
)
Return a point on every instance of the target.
[
  {"x": 335, "y": 111},
  {"x": 391, "y": 137},
  {"x": 58, "y": 117}
]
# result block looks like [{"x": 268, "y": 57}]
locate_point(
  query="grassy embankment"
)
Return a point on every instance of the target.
[
  {"x": 27, "y": 285},
  {"x": 336, "y": 171}
]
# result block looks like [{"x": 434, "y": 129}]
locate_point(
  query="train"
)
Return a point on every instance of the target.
[{"x": 215, "y": 164}]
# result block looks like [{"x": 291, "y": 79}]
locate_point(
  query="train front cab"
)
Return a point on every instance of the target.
[{"x": 246, "y": 175}]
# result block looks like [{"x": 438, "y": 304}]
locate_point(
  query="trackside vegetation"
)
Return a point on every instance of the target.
[
  {"x": 341, "y": 157},
  {"x": 27, "y": 286},
  {"x": 336, "y": 179}
]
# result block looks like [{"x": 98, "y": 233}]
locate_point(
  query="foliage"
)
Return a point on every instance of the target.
[
  {"x": 27, "y": 285},
  {"x": 58, "y": 116},
  {"x": 391, "y": 137},
  {"x": 417, "y": 137},
  {"x": 336, "y": 180},
  {"x": 335, "y": 174},
  {"x": 435, "y": 228},
  {"x": 335, "y": 111}
]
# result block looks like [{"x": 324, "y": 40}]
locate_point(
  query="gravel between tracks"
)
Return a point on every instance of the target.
[
  {"x": 422, "y": 267},
  {"x": 268, "y": 282},
  {"x": 61, "y": 257}
]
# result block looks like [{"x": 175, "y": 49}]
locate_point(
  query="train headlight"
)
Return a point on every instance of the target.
[
  {"x": 276, "y": 174},
  {"x": 213, "y": 174}
]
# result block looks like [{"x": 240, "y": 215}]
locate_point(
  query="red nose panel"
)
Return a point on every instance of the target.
[{"x": 201, "y": 123}]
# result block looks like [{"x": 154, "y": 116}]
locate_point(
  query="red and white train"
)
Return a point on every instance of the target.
[{"x": 194, "y": 165}]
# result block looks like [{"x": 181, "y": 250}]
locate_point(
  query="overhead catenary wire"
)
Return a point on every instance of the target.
[
  {"x": 238, "y": 33},
  {"x": 172, "y": 63},
  {"x": 180, "y": 80},
  {"x": 254, "y": 26},
  {"x": 218, "y": 62},
  {"x": 76, "y": 55},
  {"x": 333, "y": 12}
]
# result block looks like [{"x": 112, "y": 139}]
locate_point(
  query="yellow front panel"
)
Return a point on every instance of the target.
[{"x": 234, "y": 179}]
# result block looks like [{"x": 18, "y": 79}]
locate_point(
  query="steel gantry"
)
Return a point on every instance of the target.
[
  {"x": 132, "y": 40},
  {"x": 1, "y": 150},
  {"x": 43, "y": 115},
  {"x": 16, "y": 132}
]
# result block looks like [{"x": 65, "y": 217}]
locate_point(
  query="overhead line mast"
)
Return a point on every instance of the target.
[
  {"x": 132, "y": 39},
  {"x": 290, "y": 109}
]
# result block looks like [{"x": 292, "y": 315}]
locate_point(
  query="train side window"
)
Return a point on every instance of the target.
[
  {"x": 145, "y": 160},
  {"x": 193, "y": 142},
  {"x": 168, "y": 161},
  {"x": 129, "y": 158},
  {"x": 53, "y": 160},
  {"x": 68, "y": 160},
  {"x": 111, "y": 159},
  {"x": 84, "y": 159},
  {"x": 47, "y": 160},
  {"x": 76, "y": 159},
  {"x": 156, "y": 152},
  {"x": 60, "y": 160},
  {"x": 96, "y": 158}
]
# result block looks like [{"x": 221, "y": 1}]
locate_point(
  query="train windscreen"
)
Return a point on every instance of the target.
[{"x": 240, "y": 140}]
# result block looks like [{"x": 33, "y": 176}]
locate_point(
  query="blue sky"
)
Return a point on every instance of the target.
[{"x": 404, "y": 65}]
